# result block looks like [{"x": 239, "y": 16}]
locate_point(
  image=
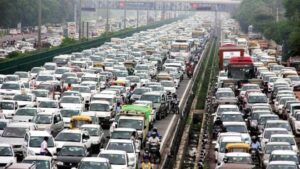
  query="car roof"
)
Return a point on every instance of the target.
[
  {"x": 100, "y": 102},
  {"x": 20, "y": 124},
  {"x": 73, "y": 144},
  {"x": 237, "y": 154},
  {"x": 120, "y": 141},
  {"x": 275, "y": 129},
  {"x": 282, "y": 135},
  {"x": 124, "y": 129},
  {"x": 113, "y": 152},
  {"x": 91, "y": 125},
  {"x": 278, "y": 143},
  {"x": 38, "y": 158},
  {"x": 39, "y": 133},
  {"x": 227, "y": 106},
  {"x": 234, "y": 123},
  {"x": 284, "y": 152},
  {"x": 282, "y": 162}
]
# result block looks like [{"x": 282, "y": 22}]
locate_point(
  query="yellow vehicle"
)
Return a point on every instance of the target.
[
  {"x": 99, "y": 65},
  {"x": 120, "y": 83},
  {"x": 77, "y": 121},
  {"x": 164, "y": 76},
  {"x": 238, "y": 147}
]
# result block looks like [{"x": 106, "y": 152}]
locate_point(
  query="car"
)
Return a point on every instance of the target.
[
  {"x": 94, "y": 162},
  {"x": 7, "y": 154},
  {"x": 74, "y": 102},
  {"x": 25, "y": 99},
  {"x": 67, "y": 114},
  {"x": 221, "y": 147},
  {"x": 282, "y": 164},
  {"x": 103, "y": 111},
  {"x": 3, "y": 124},
  {"x": 263, "y": 118},
  {"x": 225, "y": 108},
  {"x": 70, "y": 155},
  {"x": 239, "y": 127},
  {"x": 285, "y": 138},
  {"x": 26, "y": 114},
  {"x": 41, "y": 162},
  {"x": 278, "y": 124},
  {"x": 169, "y": 85},
  {"x": 224, "y": 96},
  {"x": 159, "y": 100},
  {"x": 271, "y": 146},
  {"x": 232, "y": 117},
  {"x": 126, "y": 133},
  {"x": 117, "y": 158},
  {"x": 11, "y": 88},
  {"x": 254, "y": 117},
  {"x": 73, "y": 136},
  {"x": 14, "y": 134},
  {"x": 138, "y": 92},
  {"x": 49, "y": 121},
  {"x": 21, "y": 166},
  {"x": 267, "y": 133},
  {"x": 33, "y": 141},
  {"x": 8, "y": 108},
  {"x": 124, "y": 145},
  {"x": 284, "y": 155},
  {"x": 48, "y": 105},
  {"x": 96, "y": 134},
  {"x": 236, "y": 158}
]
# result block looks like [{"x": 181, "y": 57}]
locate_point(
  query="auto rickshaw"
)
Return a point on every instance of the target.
[
  {"x": 77, "y": 121},
  {"x": 101, "y": 65},
  {"x": 130, "y": 65},
  {"x": 238, "y": 147},
  {"x": 124, "y": 83}
]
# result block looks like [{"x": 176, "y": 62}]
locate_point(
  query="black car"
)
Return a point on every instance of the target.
[{"x": 70, "y": 155}]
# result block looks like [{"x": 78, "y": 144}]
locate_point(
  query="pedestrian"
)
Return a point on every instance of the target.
[{"x": 44, "y": 147}]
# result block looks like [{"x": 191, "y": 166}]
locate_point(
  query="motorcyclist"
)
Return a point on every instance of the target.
[
  {"x": 174, "y": 102},
  {"x": 146, "y": 163},
  {"x": 255, "y": 145},
  {"x": 154, "y": 141},
  {"x": 154, "y": 130},
  {"x": 218, "y": 122}
]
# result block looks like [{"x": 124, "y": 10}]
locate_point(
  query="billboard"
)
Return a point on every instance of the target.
[{"x": 71, "y": 29}]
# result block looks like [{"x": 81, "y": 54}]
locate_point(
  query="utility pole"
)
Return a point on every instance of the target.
[
  {"x": 277, "y": 15},
  {"x": 107, "y": 17},
  {"x": 79, "y": 22},
  {"x": 39, "y": 23},
  {"x": 137, "y": 18},
  {"x": 147, "y": 16},
  {"x": 125, "y": 14}
]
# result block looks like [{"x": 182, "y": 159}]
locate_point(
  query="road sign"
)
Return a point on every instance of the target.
[{"x": 137, "y": 5}]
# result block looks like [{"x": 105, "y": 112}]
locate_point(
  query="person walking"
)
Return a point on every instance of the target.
[{"x": 44, "y": 147}]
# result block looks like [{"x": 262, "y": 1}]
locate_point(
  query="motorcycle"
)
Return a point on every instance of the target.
[
  {"x": 189, "y": 73},
  {"x": 154, "y": 152},
  {"x": 255, "y": 156},
  {"x": 175, "y": 106},
  {"x": 217, "y": 129}
]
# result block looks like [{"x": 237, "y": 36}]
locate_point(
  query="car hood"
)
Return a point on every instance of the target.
[
  {"x": 37, "y": 150},
  {"x": 22, "y": 118},
  {"x": 12, "y": 140},
  {"x": 7, "y": 159},
  {"x": 102, "y": 113},
  {"x": 69, "y": 159},
  {"x": 70, "y": 105}
]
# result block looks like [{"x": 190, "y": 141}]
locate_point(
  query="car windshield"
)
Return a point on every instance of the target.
[
  {"x": 99, "y": 107},
  {"x": 26, "y": 112},
  {"x": 93, "y": 165},
  {"x": 236, "y": 128},
  {"x": 232, "y": 117},
  {"x": 239, "y": 160},
  {"x": 21, "y": 97},
  {"x": 72, "y": 151},
  {"x": 142, "y": 67},
  {"x": 152, "y": 98},
  {"x": 128, "y": 147},
  {"x": 44, "y": 78},
  {"x": 40, "y": 164},
  {"x": 284, "y": 157},
  {"x": 17, "y": 132},
  {"x": 6, "y": 151},
  {"x": 157, "y": 88},
  {"x": 245, "y": 88},
  {"x": 268, "y": 133},
  {"x": 282, "y": 166},
  {"x": 40, "y": 93},
  {"x": 10, "y": 86},
  {"x": 36, "y": 69},
  {"x": 92, "y": 131},
  {"x": 115, "y": 159},
  {"x": 121, "y": 74},
  {"x": 224, "y": 94},
  {"x": 131, "y": 123},
  {"x": 82, "y": 89},
  {"x": 262, "y": 120},
  {"x": 133, "y": 79},
  {"x": 271, "y": 147},
  {"x": 121, "y": 134},
  {"x": 95, "y": 79},
  {"x": 290, "y": 140},
  {"x": 140, "y": 91},
  {"x": 69, "y": 113},
  {"x": 70, "y": 137},
  {"x": 7, "y": 105},
  {"x": 279, "y": 125},
  {"x": 257, "y": 99},
  {"x": 43, "y": 119},
  {"x": 36, "y": 141},
  {"x": 61, "y": 71},
  {"x": 73, "y": 100},
  {"x": 255, "y": 116},
  {"x": 222, "y": 110},
  {"x": 167, "y": 84},
  {"x": 48, "y": 104}
]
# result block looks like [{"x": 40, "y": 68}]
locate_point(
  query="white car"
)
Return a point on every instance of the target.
[
  {"x": 239, "y": 127},
  {"x": 94, "y": 162},
  {"x": 282, "y": 164},
  {"x": 271, "y": 146},
  {"x": 266, "y": 135},
  {"x": 33, "y": 141},
  {"x": 25, "y": 114},
  {"x": 71, "y": 102},
  {"x": 117, "y": 158},
  {"x": 25, "y": 99},
  {"x": 96, "y": 135},
  {"x": 8, "y": 108},
  {"x": 44, "y": 162},
  {"x": 124, "y": 145},
  {"x": 285, "y": 138},
  {"x": 71, "y": 136},
  {"x": 48, "y": 106},
  {"x": 169, "y": 86},
  {"x": 284, "y": 155},
  {"x": 7, "y": 154},
  {"x": 67, "y": 114},
  {"x": 126, "y": 133},
  {"x": 11, "y": 88},
  {"x": 220, "y": 148},
  {"x": 103, "y": 110}
]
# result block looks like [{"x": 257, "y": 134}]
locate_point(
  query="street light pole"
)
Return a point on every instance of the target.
[
  {"x": 79, "y": 24},
  {"x": 125, "y": 14},
  {"x": 137, "y": 18},
  {"x": 107, "y": 17},
  {"x": 39, "y": 23}
]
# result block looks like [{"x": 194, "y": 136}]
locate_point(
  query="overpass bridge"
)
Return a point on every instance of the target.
[{"x": 165, "y": 5}]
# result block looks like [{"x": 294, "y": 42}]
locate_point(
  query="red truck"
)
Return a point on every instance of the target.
[{"x": 227, "y": 51}]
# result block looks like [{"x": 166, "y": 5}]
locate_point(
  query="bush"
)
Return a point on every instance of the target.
[{"x": 13, "y": 54}]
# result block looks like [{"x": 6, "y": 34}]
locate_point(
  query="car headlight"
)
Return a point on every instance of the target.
[{"x": 59, "y": 163}]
